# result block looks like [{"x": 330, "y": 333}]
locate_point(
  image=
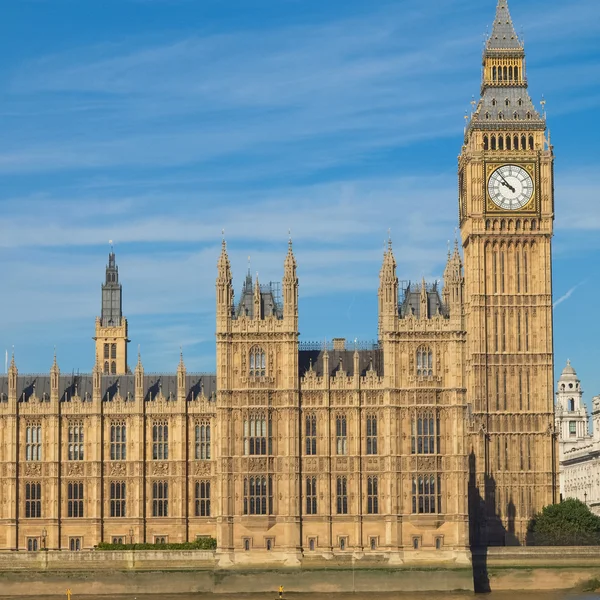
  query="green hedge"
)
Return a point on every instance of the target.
[{"x": 200, "y": 544}]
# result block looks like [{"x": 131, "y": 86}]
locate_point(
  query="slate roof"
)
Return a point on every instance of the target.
[
  {"x": 411, "y": 304},
  {"x": 492, "y": 109},
  {"x": 503, "y": 36},
  {"x": 315, "y": 357},
  {"x": 82, "y": 385},
  {"x": 269, "y": 303}
]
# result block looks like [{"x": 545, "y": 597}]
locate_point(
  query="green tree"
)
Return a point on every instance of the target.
[{"x": 570, "y": 523}]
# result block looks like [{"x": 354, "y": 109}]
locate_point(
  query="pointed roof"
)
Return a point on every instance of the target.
[
  {"x": 504, "y": 36},
  {"x": 223, "y": 263},
  {"x": 290, "y": 260},
  {"x": 181, "y": 365},
  {"x": 568, "y": 371}
]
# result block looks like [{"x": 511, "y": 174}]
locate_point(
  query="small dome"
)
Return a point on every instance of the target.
[
  {"x": 569, "y": 370},
  {"x": 569, "y": 373}
]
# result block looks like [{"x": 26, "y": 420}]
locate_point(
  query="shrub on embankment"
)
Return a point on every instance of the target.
[
  {"x": 200, "y": 544},
  {"x": 569, "y": 523}
]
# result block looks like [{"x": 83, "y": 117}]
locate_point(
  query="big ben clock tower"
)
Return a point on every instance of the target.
[{"x": 506, "y": 212}]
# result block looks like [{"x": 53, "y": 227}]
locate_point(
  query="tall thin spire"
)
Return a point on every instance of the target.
[
  {"x": 503, "y": 36},
  {"x": 112, "y": 300}
]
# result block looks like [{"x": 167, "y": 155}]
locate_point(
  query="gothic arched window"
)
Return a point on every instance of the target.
[
  {"x": 258, "y": 362},
  {"x": 425, "y": 434},
  {"x": 424, "y": 362},
  {"x": 341, "y": 438},
  {"x": 202, "y": 432},
  {"x": 486, "y": 142},
  {"x": 257, "y": 435}
]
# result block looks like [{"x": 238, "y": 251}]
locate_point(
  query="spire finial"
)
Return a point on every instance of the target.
[
  {"x": 389, "y": 240},
  {"x": 290, "y": 239},
  {"x": 110, "y": 243},
  {"x": 223, "y": 242}
]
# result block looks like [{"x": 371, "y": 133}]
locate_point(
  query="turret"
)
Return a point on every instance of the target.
[
  {"x": 571, "y": 412},
  {"x": 54, "y": 380},
  {"x": 111, "y": 326},
  {"x": 290, "y": 288},
  {"x": 224, "y": 289},
  {"x": 454, "y": 282},
  {"x": 139, "y": 380},
  {"x": 257, "y": 300},
  {"x": 181, "y": 372},
  {"x": 388, "y": 292},
  {"x": 97, "y": 382},
  {"x": 13, "y": 374},
  {"x": 424, "y": 308}
]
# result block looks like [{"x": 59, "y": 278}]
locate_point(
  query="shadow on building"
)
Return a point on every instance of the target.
[{"x": 486, "y": 527}]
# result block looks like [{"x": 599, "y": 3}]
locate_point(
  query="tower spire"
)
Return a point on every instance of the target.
[{"x": 503, "y": 36}]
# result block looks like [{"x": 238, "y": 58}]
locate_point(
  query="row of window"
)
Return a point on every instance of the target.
[
  {"x": 508, "y": 141},
  {"x": 257, "y": 437},
  {"x": 118, "y": 442},
  {"x": 110, "y": 351},
  {"x": 257, "y": 500},
  {"x": 117, "y": 499},
  {"x": 510, "y": 73}
]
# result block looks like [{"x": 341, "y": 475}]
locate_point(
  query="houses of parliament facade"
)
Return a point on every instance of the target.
[{"x": 438, "y": 438}]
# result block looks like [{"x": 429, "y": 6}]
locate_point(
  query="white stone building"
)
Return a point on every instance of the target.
[{"x": 579, "y": 450}]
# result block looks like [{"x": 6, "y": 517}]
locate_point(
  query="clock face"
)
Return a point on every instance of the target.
[{"x": 510, "y": 187}]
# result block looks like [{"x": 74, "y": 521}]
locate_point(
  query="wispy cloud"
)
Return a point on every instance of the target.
[{"x": 567, "y": 295}]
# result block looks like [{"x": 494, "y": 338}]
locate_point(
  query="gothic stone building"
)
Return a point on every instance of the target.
[{"x": 438, "y": 437}]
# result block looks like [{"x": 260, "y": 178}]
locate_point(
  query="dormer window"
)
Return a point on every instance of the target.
[
  {"x": 500, "y": 116},
  {"x": 494, "y": 102},
  {"x": 520, "y": 102},
  {"x": 507, "y": 102}
]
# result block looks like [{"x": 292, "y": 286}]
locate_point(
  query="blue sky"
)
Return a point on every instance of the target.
[{"x": 156, "y": 123}]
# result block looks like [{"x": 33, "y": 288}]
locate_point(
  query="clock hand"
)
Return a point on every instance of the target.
[{"x": 506, "y": 184}]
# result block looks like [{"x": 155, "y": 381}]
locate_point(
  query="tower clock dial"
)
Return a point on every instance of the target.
[{"x": 510, "y": 187}]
